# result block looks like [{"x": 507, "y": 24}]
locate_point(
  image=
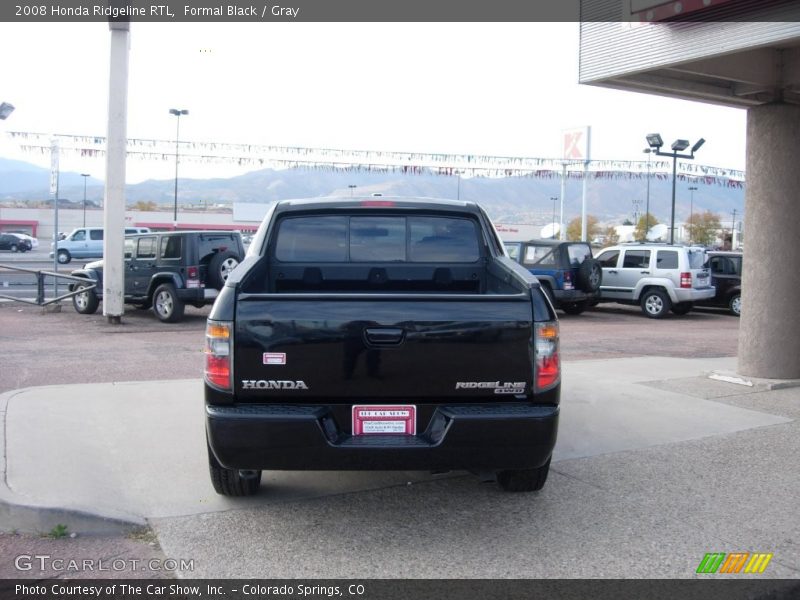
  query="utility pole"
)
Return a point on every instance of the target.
[{"x": 733, "y": 228}]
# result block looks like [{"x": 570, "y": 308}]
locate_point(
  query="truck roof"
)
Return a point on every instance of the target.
[{"x": 388, "y": 202}]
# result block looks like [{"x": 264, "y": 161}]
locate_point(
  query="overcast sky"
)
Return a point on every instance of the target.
[{"x": 504, "y": 89}]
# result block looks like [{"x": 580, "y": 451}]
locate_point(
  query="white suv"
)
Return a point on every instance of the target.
[{"x": 658, "y": 277}]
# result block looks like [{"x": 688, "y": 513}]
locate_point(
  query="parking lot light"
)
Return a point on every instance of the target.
[{"x": 655, "y": 142}]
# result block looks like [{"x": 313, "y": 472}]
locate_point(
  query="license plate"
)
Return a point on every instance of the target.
[{"x": 377, "y": 419}]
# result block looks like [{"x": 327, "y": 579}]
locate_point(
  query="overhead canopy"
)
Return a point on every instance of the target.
[{"x": 736, "y": 52}]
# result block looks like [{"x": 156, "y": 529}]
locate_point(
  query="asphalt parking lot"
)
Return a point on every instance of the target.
[{"x": 653, "y": 459}]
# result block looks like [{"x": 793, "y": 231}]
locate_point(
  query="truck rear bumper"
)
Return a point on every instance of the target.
[{"x": 475, "y": 437}]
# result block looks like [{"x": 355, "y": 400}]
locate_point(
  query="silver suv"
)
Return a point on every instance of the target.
[{"x": 658, "y": 277}]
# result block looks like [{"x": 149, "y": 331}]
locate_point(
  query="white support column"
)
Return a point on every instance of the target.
[
  {"x": 769, "y": 331},
  {"x": 562, "y": 235},
  {"x": 114, "y": 209},
  {"x": 583, "y": 200}
]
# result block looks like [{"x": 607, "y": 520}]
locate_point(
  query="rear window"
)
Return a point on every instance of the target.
[
  {"x": 697, "y": 257},
  {"x": 666, "y": 259},
  {"x": 377, "y": 239},
  {"x": 636, "y": 259},
  {"x": 578, "y": 253},
  {"x": 540, "y": 255},
  {"x": 217, "y": 242}
]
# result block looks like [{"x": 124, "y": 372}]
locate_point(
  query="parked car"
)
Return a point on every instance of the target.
[
  {"x": 569, "y": 275},
  {"x": 726, "y": 277},
  {"x": 658, "y": 277},
  {"x": 34, "y": 242},
  {"x": 167, "y": 271},
  {"x": 86, "y": 242},
  {"x": 364, "y": 335},
  {"x": 13, "y": 242}
]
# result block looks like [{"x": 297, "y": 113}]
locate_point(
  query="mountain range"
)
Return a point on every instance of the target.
[{"x": 507, "y": 200}]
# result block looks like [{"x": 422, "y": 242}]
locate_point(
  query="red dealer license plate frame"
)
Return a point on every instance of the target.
[{"x": 383, "y": 419}]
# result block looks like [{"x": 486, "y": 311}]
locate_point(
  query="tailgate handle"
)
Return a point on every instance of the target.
[{"x": 384, "y": 336}]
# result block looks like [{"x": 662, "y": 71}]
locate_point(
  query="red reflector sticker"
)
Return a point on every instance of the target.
[
  {"x": 274, "y": 358},
  {"x": 385, "y": 419}
]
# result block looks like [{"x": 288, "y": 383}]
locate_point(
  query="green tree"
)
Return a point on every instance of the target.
[
  {"x": 574, "y": 228},
  {"x": 611, "y": 235},
  {"x": 703, "y": 228},
  {"x": 646, "y": 222},
  {"x": 145, "y": 206}
]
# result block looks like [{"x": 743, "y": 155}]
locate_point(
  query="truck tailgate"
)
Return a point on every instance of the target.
[{"x": 382, "y": 347}]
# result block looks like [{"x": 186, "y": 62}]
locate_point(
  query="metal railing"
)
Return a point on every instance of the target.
[{"x": 40, "y": 299}]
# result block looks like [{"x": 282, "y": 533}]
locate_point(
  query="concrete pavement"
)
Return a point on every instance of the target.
[{"x": 653, "y": 459}]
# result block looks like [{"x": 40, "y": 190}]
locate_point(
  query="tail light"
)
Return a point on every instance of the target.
[
  {"x": 686, "y": 280},
  {"x": 193, "y": 277},
  {"x": 218, "y": 354},
  {"x": 568, "y": 285},
  {"x": 548, "y": 364}
]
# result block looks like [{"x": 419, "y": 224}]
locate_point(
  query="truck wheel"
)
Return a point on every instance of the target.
[
  {"x": 229, "y": 482},
  {"x": 574, "y": 308},
  {"x": 655, "y": 304},
  {"x": 682, "y": 308},
  {"x": 13, "y": 248},
  {"x": 590, "y": 275},
  {"x": 166, "y": 304},
  {"x": 220, "y": 267},
  {"x": 735, "y": 304},
  {"x": 523, "y": 480},
  {"x": 86, "y": 302},
  {"x": 63, "y": 257}
]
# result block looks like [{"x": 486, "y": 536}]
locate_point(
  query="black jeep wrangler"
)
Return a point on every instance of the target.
[
  {"x": 569, "y": 275},
  {"x": 168, "y": 270}
]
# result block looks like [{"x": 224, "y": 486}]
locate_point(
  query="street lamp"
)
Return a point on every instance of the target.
[
  {"x": 5, "y": 110},
  {"x": 177, "y": 112},
  {"x": 84, "y": 175},
  {"x": 655, "y": 142},
  {"x": 647, "y": 151},
  {"x": 692, "y": 190},
  {"x": 555, "y": 201}
]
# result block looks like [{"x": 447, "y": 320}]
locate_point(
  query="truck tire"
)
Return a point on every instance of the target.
[
  {"x": 63, "y": 257},
  {"x": 229, "y": 482},
  {"x": 13, "y": 248},
  {"x": 655, "y": 304},
  {"x": 86, "y": 302},
  {"x": 523, "y": 480},
  {"x": 682, "y": 308},
  {"x": 735, "y": 304},
  {"x": 220, "y": 267},
  {"x": 166, "y": 304},
  {"x": 574, "y": 308},
  {"x": 590, "y": 275}
]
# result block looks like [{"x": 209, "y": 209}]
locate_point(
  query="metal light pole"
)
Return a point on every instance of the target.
[
  {"x": 733, "y": 228},
  {"x": 555, "y": 201},
  {"x": 177, "y": 112},
  {"x": 84, "y": 175},
  {"x": 647, "y": 151},
  {"x": 692, "y": 190},
  {"x": 655, "y": 142}
]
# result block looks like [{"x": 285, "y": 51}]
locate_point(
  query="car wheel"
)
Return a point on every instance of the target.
[
  {"x": 230, "y": 482},
  {"x": 63, "y": 257},
  {"x": 574, "y": 308},
  {"x": 13, "y": 248},
  {"x": 590, "y": 275},
  {"x": 735, "y": 305},
  {"x": 220, "y": 267},
  {"x": 682, "y": 308},
  {"x": 523, "y": 480},
  {"x": 655, "y": 304},
  {"x": 166, "y": 304},
  {"x": 86, "y": 302}
]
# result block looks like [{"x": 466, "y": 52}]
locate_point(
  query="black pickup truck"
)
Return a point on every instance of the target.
[{"x": 380, "y": 334}]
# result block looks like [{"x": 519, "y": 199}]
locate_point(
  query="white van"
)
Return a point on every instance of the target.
[{"x": 87, "y": 242}]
